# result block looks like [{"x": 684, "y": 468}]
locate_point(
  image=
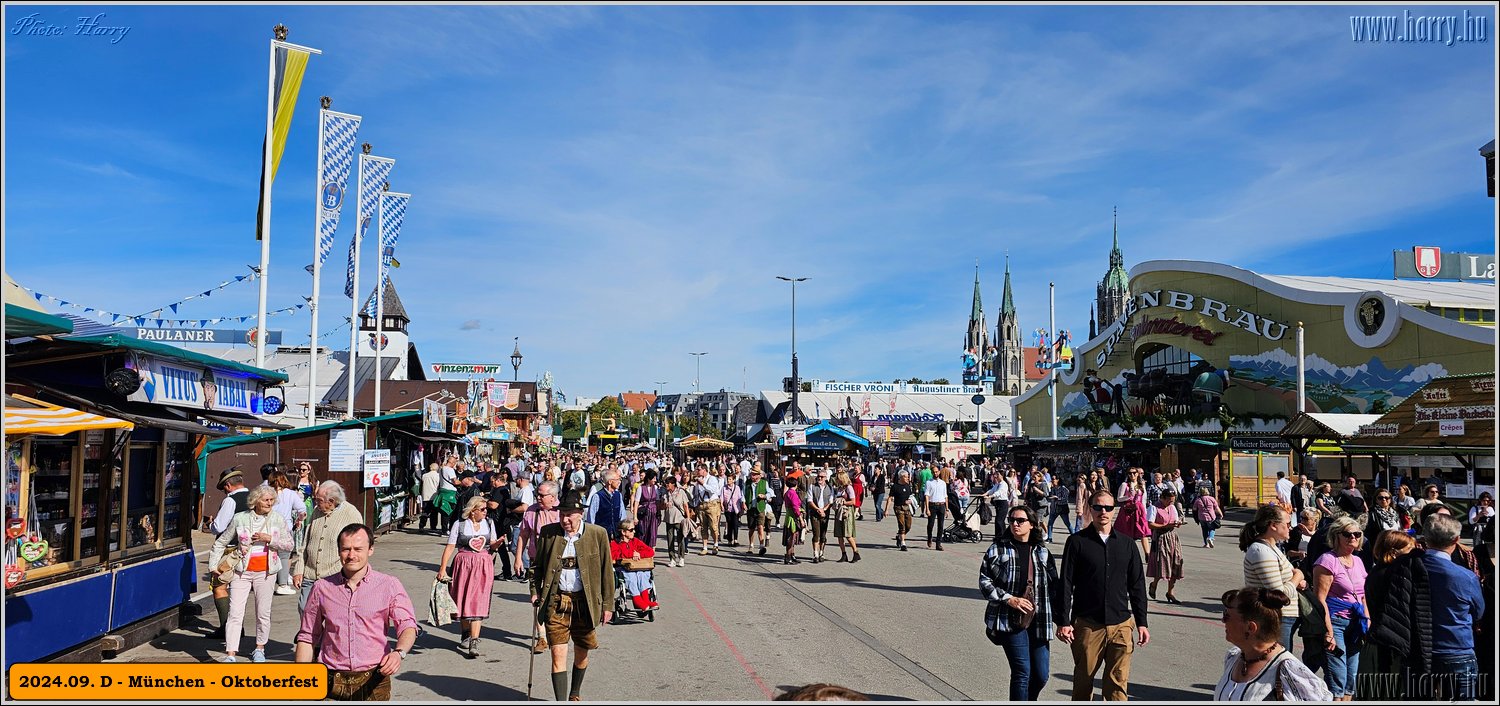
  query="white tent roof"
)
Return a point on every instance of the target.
[{"x": 954, "y": 408}]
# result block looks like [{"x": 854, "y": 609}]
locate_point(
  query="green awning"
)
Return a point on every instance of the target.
[
  {"x": 1205, "y": 443},
  {"x": 115, "y": 340},
  {"x": 20, "y": 321},
  {"x": 230, "y": 441}
]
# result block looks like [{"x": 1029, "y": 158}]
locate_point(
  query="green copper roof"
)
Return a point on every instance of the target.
[
  {"x": 1116, "y": 277},
  {"x": 1007, "y": 302},
  {"x": 976, "y": 313}
]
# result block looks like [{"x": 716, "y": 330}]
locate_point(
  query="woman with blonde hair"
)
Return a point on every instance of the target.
[
  {"x": 262, "y": 535},
  {"x": 1339, "y": 583},
  {"x": 472, "y": 538},
  {"x": 292, "y": 508}
]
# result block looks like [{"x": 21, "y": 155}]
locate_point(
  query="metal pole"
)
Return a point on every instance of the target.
[
  {"x": 1301, "y": 373},
  {"x": 379, "y": 342},
  {"x": 317, "y": 273},
  {"x": 1052, "y": 334},
  {"x": 265, "y": 211},
  {"x": 359, "y": 235}
]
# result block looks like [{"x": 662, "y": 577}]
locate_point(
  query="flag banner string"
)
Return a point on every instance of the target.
[
  {"x": 173, "y": 306},
  {"x": 116, "y": 318}
]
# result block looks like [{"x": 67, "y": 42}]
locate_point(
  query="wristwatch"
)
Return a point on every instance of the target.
[{"x": 402, "y": 653}]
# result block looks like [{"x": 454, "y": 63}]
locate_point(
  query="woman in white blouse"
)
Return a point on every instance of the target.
[{"x": 1258, "y": 667}]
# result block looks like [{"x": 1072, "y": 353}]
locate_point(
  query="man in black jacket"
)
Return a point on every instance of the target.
[{"x": 1102, "y": 602}]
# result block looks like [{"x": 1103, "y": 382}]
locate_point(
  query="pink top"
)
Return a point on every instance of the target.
[
  {"x": 1207, "y": 508},
  {"x": 733, "y": 497},
  {"x": 532, "y": 523},
  {"x": 1348, "y": 581},
  {"x": 350, "y": 624}
]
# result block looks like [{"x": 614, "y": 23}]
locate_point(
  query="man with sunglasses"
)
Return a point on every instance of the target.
[{"x": 1102, "y": 602}]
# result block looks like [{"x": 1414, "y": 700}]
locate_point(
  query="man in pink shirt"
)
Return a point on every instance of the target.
[
  {"x": 539, "y": 515},
  {"x": 346, "y": 618}
]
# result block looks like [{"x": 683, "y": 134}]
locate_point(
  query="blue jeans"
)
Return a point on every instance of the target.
[
  {"x": 1208, "y": 535},
  {"x": 1029, "y": 656},
  {"x": 1052, "y": 516},
  {"x": 1341, "y": 670},
  {"x": 1458, "y": 675},
  {"x": 880, "y": 506},
  {"x": 1286, "y": 631}
]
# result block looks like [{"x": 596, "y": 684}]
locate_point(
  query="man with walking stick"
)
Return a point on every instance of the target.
[{"x": 572, "y": 588}]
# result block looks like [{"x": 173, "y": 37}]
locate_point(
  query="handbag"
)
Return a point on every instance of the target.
[
  {"x": 230, "y": 560},
  {"x": 441, "y": 608}
]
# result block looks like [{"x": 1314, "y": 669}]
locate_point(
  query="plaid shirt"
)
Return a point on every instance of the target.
[{"x": 999, "y": 579}]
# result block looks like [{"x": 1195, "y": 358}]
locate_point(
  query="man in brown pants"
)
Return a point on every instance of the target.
[
  {"x": 1102, "y": 604},
  {"x": 573, "y": 589}
]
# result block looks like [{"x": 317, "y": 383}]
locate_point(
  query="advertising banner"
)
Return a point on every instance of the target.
[
  {"x": 377, "y": 468},
  {"x": 177, "y": 384},
  {"x": 434, "y": 416}
]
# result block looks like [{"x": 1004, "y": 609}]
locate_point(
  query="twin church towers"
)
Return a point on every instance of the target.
[{"x": 1004, "y": 361}]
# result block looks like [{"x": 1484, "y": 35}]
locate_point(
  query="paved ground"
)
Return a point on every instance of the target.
[{"x": 736, "y": 627}]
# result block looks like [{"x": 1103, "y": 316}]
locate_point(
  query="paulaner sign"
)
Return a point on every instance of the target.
[{"x": 198, "y": 335}]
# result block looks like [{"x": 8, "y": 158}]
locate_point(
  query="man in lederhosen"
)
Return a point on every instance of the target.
[{"x": 572, "y": 588}]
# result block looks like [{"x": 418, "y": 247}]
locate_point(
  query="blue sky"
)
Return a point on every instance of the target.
[{"x": 619, "y": 186}]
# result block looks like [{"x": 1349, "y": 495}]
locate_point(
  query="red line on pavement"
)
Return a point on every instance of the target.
[{"x": 725, "y": 637}]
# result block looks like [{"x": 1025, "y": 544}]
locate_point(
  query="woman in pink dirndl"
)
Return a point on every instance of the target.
[{"x": 471, "y": 538}]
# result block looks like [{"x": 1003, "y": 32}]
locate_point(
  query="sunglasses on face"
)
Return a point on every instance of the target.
[
  {"x": 1382, "y": 497},
  {"x": 1352, "y": 535},
  {"x": 1019, "y": 520},
  {"x": 1103, "y": 508}
]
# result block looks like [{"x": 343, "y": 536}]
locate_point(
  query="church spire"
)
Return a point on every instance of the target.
[
  {"x": 1007, "y": 302},
  {"x": 977, "y": 312},
  {"x": 1116, "y": 258}
]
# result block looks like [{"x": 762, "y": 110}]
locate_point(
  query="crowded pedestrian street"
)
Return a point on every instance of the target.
[
  {"x": 737, "y": 626},
  {"x": 736, "y": 352}
]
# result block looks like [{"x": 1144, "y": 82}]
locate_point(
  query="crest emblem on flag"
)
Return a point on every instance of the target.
[
  {"x": 333, "y": 196},
  {"x": 1429, "y": 260}
]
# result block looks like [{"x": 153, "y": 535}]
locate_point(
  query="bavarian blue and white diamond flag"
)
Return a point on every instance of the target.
[
  {"x": 392, "y": 215},
  {"x": 340, "y": 132},
  {"x": 373, "y": 173}
]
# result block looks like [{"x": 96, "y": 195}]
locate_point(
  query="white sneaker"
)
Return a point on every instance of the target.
[
  {"x": 228, "y": 658},
  {"x": 286, "y": 591}
]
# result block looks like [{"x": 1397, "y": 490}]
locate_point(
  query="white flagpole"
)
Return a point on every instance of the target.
[
  {"x": 1052, "y": 341},
  {"x": 265, "y": 210},
  {"x": 1301, "y": 373},
  {"x": 312, "y": 354},
  {"x": 379, "y": 292},
  {"x": 359, "y": 232}
]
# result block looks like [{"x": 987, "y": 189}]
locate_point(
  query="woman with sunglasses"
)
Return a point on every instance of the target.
[
  {"x": 1384, "y": 516},
  {"x": 1165, "y": 559},
  {"x": 1258, "y": 668},
  {"x": 1015, "y": 578},
  {"x": 1339, "y": 583}
]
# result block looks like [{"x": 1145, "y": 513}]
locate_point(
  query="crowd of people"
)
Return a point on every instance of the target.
[{"x": 1387, "y": 600}]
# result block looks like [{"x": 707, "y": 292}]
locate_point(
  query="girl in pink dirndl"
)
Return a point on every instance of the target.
[{"x": 472, "y": 539}]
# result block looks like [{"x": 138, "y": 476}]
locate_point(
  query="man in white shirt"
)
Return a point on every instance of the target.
[
  {"x": 236, "y": 499},
  {"x": 573, "y": 591},
  {"x": 1283, "y": 489},
  {"x": 711, "y": 508}
]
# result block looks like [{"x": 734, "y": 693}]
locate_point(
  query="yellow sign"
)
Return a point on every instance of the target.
[
  {"x": 168, "y": 682},
  {"x": 1111, "y": 444}
]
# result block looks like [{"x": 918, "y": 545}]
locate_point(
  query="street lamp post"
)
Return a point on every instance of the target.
[
  {"x": 698, "y": 388},
  {"x": 662, "y": 437},
  {"x": 515, "y": 359},
  {"x": 796, "y": 381}
]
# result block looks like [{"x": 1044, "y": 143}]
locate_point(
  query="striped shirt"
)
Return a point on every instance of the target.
[{"x": 1267, "y": 567}]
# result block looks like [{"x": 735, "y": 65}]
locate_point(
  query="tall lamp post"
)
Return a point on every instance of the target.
[
  {"x": 698, "y": 388},
  {"x": 796, "y": 381},
  {"x": 662, "y": 438},
  {"x": 515, "y": 359}
]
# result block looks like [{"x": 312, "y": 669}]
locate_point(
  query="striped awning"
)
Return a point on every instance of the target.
[{"x": 28, "y": 416}]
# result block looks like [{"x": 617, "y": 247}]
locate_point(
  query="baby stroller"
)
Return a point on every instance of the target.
[
  {"x": 625, "y": 610},
  {"x": 961, "y": 531}
]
